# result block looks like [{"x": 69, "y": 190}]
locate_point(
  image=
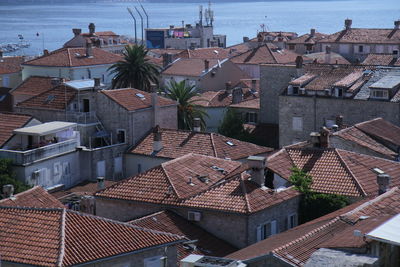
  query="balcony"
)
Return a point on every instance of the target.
[
  {"x": 33, "y": 155},
  {"x": 81, "y": 117}
]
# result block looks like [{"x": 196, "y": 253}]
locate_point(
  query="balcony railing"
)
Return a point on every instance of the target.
[
  {"x": 81, "y": 117},
  {"x": 29, "y": 156}
]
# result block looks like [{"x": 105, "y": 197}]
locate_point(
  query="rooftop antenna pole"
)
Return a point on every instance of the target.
[
  {"x": 134, "y": 20},
  {"x": 147, "y": 16},
  {"x": 141, "y": 18},
  {"x": 201, "y": 15}
]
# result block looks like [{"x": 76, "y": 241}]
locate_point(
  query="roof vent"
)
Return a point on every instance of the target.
[
  {"x": 222, "y": 170},
  {"x": 141, "y": 96},
  {"x": 49, "y": 99},
  {"x": 203, "y": 178},
  {"x": 357, "y": 233},
  {"x": 190, "y": 182}
]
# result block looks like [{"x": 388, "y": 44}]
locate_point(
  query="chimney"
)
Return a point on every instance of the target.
[
  {"x": 1, "y": 53},
  {"x": 89, "y": 48},
  {"x": 299, "y": 62},
  {"x": 206, "y": 65},
  {"x": 157, "y": 139},
  {"x": 45, "y": 52},
  {"x": 228, "y": 87},
  {"x": 397, "y": 24},
  {"x": 324, "y": 137},
  {"x": 312, "y": 32},
  {"x": 100, "y": 183},
  {"x": 260, "y": 38},
  {"x": 245, "y": 39},
  {"x": 192, "y": 46},
  {"x": 55, "y": 81},
  {"x": 314, "y": 139},
  {"x": 237, "y": 95},
  {"x": 77, "y": 31},
  {"x": 383, "y": 181},
  {"x": 347, "y": 24},
  {"x": 395, "y": 54},
  {"x": 196, "y": 125},
  {"x": 154, "y": 104},
  {"x": 8, "y": 190},
  {"x": 253, "y": 85},
  {"x": 96, "y": 83},
  {"x": 339, "y": 121},
  {"x": 327, "y": 55},
  {"x": 257, "y": 164},
  {"x": 92, "y": 28}
]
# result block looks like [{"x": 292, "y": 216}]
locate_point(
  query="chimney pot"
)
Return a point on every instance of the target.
[
  {"x": 383, "y": 181},
  {"x": 397, "y": 24},
  {"x": 8, "y": 190},
  {"x": 237, "y": 95},
  {"x": 45, "y": 52},
  {"x": 328, "y": 55},
  {"x": 100, "y": 183},
  {"x": 347, "y": 24},
  {"x": 245, "y": 39},
  {"x": 206, "y": 64},
  {"x": 299, "y": 62},
  {"x": 324, "y": 137},
  {"x": 92, "y": 28},
  {"x": 55, "y": 81},
  {"x": 96, "y": 83},
  {"x": 89, "y": 49},
  {"x": 154, "y": 103},
  {"x": 258, "y": 165},
  {"x": 339, "y": 121},
  {"x": 196, "y": 125},
  {"x": 77, "y": 31},
  {"x": 314, "y": 138},
  {"x": 157, "y": 139},
  {"x": 312, "y": 32}
]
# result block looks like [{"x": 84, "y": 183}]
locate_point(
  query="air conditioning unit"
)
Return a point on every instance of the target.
[
  {"x": 36, "y": 174},
  {"x": 194, "y": 216}
]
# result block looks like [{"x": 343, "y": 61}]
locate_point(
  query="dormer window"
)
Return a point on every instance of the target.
[
  {"x": 339, "y": 92},
  {"x": 380, "y": 94}
]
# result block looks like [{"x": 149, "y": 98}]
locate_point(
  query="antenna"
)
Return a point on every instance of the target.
[
  {"x": 147, "y": 16},
  {"x": 134, "y": 19},
  {"x": 211, "y": 15},
  {"x": 201, "y": 15},
  {"x": 141, "y": 18}
]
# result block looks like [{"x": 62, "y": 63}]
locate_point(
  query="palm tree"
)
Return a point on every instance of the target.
[
  {"x": 134, "y": 70},
  {"x": 187, "y": 109}
]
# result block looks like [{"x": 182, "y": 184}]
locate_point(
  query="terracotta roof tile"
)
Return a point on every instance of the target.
[
  {"x": 205, "y": 53},
  {"x": 85, "y": 188},
  {"x": 266, "y": 54},
  {"x": 131, "y": 99},
  {"x": 381, "y": 129},
  {"x": 32, "y": 86},
  {"x": 170, "y": 185},
  {"x": 177, "y": 143},
  {"x": 308, "y": 38},
  {"x": 381, "y": 60},
  {"x": 168, "y": 221},
  {"x": 9, "y": 122},
  {"x": 321, "y": 57},
  {"x": 193, "y": 67},
  {"x": 372, "y": 36},
  {"x": 50, "y": 237},
  {"x": 249, "y": 104},
  {"x": 35, "y": 197},
  {"x": 75, "y": 57},
  {"x": 10, "y": 64}
]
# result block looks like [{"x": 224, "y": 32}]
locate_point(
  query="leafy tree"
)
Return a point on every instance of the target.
[
  {"x": 7, "y": 177},
  {"x": 312, "y": 204},
  {"x": 187, "y": 109},
  {"x": 232, "y": 126},
  {"x": 134, "y": 70}
]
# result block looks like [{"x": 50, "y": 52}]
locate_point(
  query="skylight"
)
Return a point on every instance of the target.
[
  {"x": 141, "y": 96},
  {"x": 49, "y": 99},
  {"x": 230, "y": 143}
]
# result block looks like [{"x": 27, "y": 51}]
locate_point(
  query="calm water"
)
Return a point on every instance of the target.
[{"x": 235, "y": 19}]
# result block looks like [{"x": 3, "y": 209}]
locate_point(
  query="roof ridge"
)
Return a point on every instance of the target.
[
  {"x": 246, "y": 199},
  {"x": 147, "y": 216},
  {"x": 169, "y": 179},
  {"x": 21, "y": 193},
  {"x": 213, "y": 145},
  {"x": 272, "y": 54},
  {"x": 351, "y": 173},
  {"x": 62, "y": 239}
]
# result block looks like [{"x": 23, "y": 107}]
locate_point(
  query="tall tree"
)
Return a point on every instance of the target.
[
  {"x": 134, "y": 70},
  {"x": 7, "y": 177},
  {"x": 232, "y": 126},
  {"x": 187, "y": 109}
]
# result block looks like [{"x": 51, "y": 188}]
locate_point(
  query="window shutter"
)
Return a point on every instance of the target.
[
  {"x": 273, "y": 227},
  {"x": 259, "y": 233}
]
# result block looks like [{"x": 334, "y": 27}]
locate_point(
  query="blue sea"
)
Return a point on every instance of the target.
[{"x": 48, "y": 24}]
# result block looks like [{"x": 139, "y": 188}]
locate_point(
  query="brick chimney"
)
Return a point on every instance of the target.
[
  {"x": 257, "y": 165},
  {"x": 8, "y": 190},
  {"x": 397, "y": 24},
  {"x": 347, "y": 24},
  {"x": 383, "y": 181},
  {"x": 100, "y": 183},
  {"x": 324, "y": 137},
  {"x": 196, "y": 125},
  {"x": 327, "y": 55},
  {"x": 92, "y": 28},
  {"x": 77, "y": 31},
  {"x": 312, "y": 32},
  {"x": 45, "y": 52},
  {"x": 157, "y": 139},
  {"x": 154, "y": 104},
  {"x": 89, "y": 49},
  {"x": 237, "y": 95},
  {"x": 228, "y": 87},
  {"x": 206, "y": 64},
  {"x": 339, "y": 121}
]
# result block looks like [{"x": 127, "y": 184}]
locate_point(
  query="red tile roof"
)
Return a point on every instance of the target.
[
  {"x": 335, "y": 171},
  {"x": 33, "y": 86},
  {"x": 75, "y": 57},
  {"x": 56, "y": 98},
  {"x": 131, "y": 99},
  {"x": 35, "y": 197},
  {"x": 381, "y": 60},
  {"x": 334, "y": 230},
  {"x": 193, "y": 67},
  {"x": 366, "y": 36},
  {"x": 320, "y": 58},
  {"x": 308, "y": 38},
  {"x": 9, "y": 122},
  {"x": 381, "y": 129},
  {"x": 84, "y": 189},
  {"x": 266, "y": 54},
  {"x": 249, "y": 104},
  {"x": 177, "y": 143},
  {"x": 10, "y": 64},
  {"x": 168, "y": 221},
  {"x": 205, "y": 53},
  {"x": 59, "y": 237},
  {"x": 183, "y": 182}
]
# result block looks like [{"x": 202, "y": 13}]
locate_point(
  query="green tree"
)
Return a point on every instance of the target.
[
  {"x": 7, "y": 177},
  {"x": 134, "y": 70},
  {"x": 183, "y": 93},
  {"x": 232, "y": 126},
  {"x": 312, "y": 204}
]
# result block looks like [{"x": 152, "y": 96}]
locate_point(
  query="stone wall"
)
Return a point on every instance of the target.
[{"x": 136, "y": 162}]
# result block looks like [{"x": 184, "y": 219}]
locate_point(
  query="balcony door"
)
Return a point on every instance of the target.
[{"x": 86, "y": 105}]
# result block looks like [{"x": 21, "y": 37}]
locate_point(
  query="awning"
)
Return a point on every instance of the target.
[
  {"x": 45, "y": 128},
  {"x": 388, "y": 232}
]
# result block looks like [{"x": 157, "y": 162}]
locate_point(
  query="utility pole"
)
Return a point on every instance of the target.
[
  {"x": 141, "y": 18},
  {"x": 147, "y": 16},
  {"x": 134, "y": 21}
]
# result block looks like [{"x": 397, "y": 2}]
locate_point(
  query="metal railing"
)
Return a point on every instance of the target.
[{"x": 81, "y": 117}]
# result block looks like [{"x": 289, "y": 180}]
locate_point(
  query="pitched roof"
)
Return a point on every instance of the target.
[
  {"x": 177, "y": 143},
  {"x": 134, "y": 99},
  {"x": 334, "y": 230},
  {"x": 36, "y": 197},
  {"x": 74, "y": 57},
  {"x": 321, "y": 58},
  {"x": 335, "y": 171},
  {"x": 9, "y": 122},
  {"x": 205, "y": 53},
  {"x": 381, "y": 60},
  {"x": 200, "y": 182},
  {"x": 266, "y": 54},
  {"x": 308, "y": 38},
  {"x": 249, "y": 104},
  {"x": 34, "y": 85},
  {"x": 168, "y": 221},
  {"x": 56, "y": 98},
  {"x": 373, "y": 134},
  {"x": 59, "y": 237},
  {"x": 193, "y": 67},
  {"x": 85, "y": 188},
  {"x": 10, "y": 64},
  {"x": 359, "y": 36}
]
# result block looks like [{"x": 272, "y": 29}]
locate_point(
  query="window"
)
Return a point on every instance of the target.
[
  {"x": 291, "y": 46},
  {"x": 339, "y": 92},
  {"x": 295, "y": 90},
  {"x": 267, "y": 229},
  {"x": 101, "y": 168},
  {"x": 6, "y": 81},
  {"x": 297, "y": 124},
  {"x": 292, "y": 221},
  {"x": 308, "y": 47},
  {"x": 360, "y": 49},
  {"x": 251, "y": 117},
  {"x": 110, "y": 41},
  {"x": 118, "y": 165},
  {"x": 380, "y": 94},
  {"x": 121, "y": 136},
  {"x": 102, "y": 78}
]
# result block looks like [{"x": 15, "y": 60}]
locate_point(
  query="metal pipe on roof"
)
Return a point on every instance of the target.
[
  {"x": 141, "y": 18},
  {"x": 134, "y": 19},
  {"x": 147, "y": 16}
]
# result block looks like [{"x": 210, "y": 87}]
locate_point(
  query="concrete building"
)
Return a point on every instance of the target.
[
  {"x": 73, "y": 64},
  {"x": 356, "y": 43},
  {"x": 10, "y": 71},
  {"x": 215, "y": 194},
  {"x": 163, "y": 145},
  {"x": 306, "y": 43}
]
